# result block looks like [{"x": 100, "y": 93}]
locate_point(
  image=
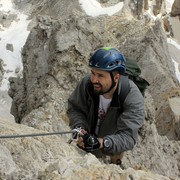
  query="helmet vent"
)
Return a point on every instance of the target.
[
  {"x": 118, "y": 62},
  {"x": 111, "y": 65},
  {"x": 97, "y": 64}
]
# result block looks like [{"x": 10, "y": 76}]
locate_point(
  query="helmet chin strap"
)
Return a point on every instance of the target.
[{"x": 112, "y": 85}]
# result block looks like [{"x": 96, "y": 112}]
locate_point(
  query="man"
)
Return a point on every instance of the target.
[{"x": 106, "y": 126}]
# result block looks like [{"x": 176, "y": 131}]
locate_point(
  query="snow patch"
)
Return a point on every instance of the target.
[
  {"x": 176, "y": 65},
  {"x": 6, "y": 5},
  {"x": 173, "y": 42},
  {"x": 169, "y": 4},
  {"x": 94, "y": 8},
  {"x": 16, "y": 35}
]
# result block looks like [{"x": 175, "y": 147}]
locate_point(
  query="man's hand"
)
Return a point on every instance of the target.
[
  {"x": 86, "y": 141},
  {"x": 77, "y": 135},
  {"x": 90, "y": 143}
]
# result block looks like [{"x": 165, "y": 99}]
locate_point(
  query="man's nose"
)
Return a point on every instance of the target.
[{"x": 94, "y": 79}]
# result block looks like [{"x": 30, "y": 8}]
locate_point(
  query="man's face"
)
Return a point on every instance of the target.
[{"x": 101, "y": 80}]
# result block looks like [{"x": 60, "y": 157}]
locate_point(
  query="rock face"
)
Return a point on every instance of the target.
[
  {"x": 55, "y": 58},
  {"x": 175, "y": 8},
  {"x": 159, "y": 7},
  {"x": 53, "y": 158},
  {"x": 1, "y": 70}
]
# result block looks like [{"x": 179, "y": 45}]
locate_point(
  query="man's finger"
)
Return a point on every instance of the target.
[{"x": 80, "y": 142}]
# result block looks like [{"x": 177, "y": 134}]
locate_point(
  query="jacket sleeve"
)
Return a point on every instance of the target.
[
  {"x": 128, "y": 122},
  {"x": 77, "y": 106}
]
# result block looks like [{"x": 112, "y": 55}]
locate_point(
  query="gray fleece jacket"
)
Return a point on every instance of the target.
[{"x": 120, "y": 125}]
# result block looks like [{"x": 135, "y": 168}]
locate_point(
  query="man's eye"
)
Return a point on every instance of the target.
[{"x": 100, "y": 75}]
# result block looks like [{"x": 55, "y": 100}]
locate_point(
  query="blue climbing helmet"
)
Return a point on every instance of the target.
[{"x": 108, "y": 59}]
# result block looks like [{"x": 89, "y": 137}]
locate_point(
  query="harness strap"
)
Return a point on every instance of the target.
[{"x": 124, "y": 89}]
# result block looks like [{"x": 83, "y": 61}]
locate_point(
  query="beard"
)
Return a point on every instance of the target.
[{"x": 98, "y": 88}]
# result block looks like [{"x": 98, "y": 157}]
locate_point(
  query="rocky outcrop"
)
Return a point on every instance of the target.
[
  {"x": 10, "y": 47},
  {"x": 55, "y": 58},
  {"x": 51, "y": 157},
  {"x": 169, "y": 119},
  {"x": 171, "y": 21},
  {"x": 1, "y": 70},
  {"x": 175, "y": 11},
  {"x": 7, "y": 18},
  {"x": 159, "y": 7}
]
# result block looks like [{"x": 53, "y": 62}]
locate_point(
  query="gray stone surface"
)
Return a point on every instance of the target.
[
  {"x": 175, "y": 11},
  {"x": 1, "y": 70}
]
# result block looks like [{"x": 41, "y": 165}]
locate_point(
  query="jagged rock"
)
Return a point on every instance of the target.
[
  {"x": 153, "y": 151},
  {"x": 10, "y": 47},
  {"x": 170, "y": 122},
  {"x": 1, "y": 70},
  {"x": 6, "y": 19},
  {"x": 17, "y": 88},
  {"x": 146, "y": 5},
  {"x": 171, "y": 26},
  {"x": 159, "y": 6},
  {"x": 175, "y": 11},
  {"x": 17, "y": 70},
  {"x": 51, "y": 157},
  {"x": 167, "y": 26}
]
